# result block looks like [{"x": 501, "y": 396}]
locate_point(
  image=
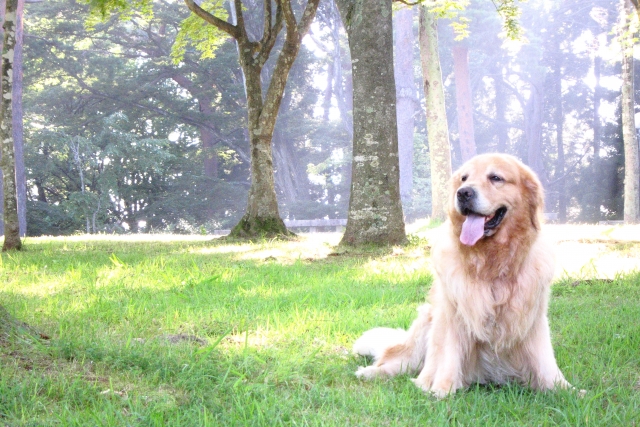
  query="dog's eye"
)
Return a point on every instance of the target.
[
  {"x": 464, "y": 178},
  {"x": 495, "y": 178}
]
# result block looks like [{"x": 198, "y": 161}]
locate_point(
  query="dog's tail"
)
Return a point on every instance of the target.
[
  {"x": 395, "y": 351},
  {"x": 375, "y": 341}
]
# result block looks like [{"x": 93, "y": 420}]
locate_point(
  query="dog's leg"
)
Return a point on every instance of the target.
[
  {"x": 545, "y": 373},
  {"x": 442, "y": 373}
]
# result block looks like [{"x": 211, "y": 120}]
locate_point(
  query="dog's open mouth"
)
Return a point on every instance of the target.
[{"x": 476, "y": 226}]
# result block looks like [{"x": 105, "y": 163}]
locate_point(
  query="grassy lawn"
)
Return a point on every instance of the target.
[{"x": 195, "y": 332}]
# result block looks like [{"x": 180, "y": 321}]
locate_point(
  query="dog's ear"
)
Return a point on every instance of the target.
[{"x": 534, "y": 197}]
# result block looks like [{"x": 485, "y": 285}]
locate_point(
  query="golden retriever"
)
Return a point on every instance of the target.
[{"x": 487, "y": 317}]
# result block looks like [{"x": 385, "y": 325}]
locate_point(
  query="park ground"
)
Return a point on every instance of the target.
[{"x": 193, "y": 331}]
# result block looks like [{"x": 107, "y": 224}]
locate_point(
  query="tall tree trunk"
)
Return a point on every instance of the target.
[
  {"x": 18, "y": 131},
  {"x": 597, "y": 135},
  {"x": 342, "y": 84},
  {"x": 631, "y": 163},
  {"x": 375, "y": 211},
  {"x": 501, "y": 113},
  {"x": 464, "y": 102},
  {"x": 533, "y": 126},
  {"x": 560, "y": 163},
  {"x": 262, "y": 217},
  {"x": 291, "y": 178},
  {"x": 11, "y": 222},
  {"x": 208, "y": 139},
  {"x": 3, "y": 5},
  {"x": 437, "y": 128},
  {"x": 406, "y": 98}
]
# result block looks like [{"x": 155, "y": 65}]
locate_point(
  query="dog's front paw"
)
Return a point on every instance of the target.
[
  {"x": 439, "y": 393},
  {"x": 367, "y": 372},
  {"x": 421, "y": 384},
  {"x": 428, "y": 387}
]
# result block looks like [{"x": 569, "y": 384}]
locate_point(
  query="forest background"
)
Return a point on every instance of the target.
[{"x": 119, "y": 136}]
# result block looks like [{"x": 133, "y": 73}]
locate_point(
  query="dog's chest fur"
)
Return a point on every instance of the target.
[{"x": 496, "y": 311}]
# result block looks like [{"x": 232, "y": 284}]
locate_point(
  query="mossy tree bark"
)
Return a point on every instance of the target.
[
  {"x": 375, "y": 211},
  {"x": 262, "y": 217},
  {"x": 437, "y": 128},
  {"x": 8, "y": 163}
]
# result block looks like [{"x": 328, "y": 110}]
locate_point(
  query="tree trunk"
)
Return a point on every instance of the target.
[
  {"x": 631, "y": 165},
  {"x": 464, "y": 102},
  {"x": 501, "y": 116},
  {"x": 375, "y": 211},
  {"x": 291, "y": 177},
  {"x": 594, "y": 215},
  {"x": 533, "y": 127},
  {"x": 208, "y": 139},
  {"x": 11, "y": 222},
  {"x": 342, "y": 84},
  {"x": 406, "y": 98},
  {"x": 3, "y": 4},
  {"x": 437, "y": 128},
  {"x": 559, "y": 122},
  {"x": 262, "y": 217},
  {"x": 18, "y": 131}
]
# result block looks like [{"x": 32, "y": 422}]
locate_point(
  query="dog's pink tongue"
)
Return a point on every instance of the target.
[{"x": 472, "y": 229}]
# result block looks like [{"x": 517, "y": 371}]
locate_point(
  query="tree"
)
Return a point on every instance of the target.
[
  {"x": 262, "y": 216},
  {"x": 464, "y": 102},
  {"x": 375, "y": 210},
  {"x": 18, "y": 129},
  {"x": 406, "y": 98},
  {"x": 12, "y": 239},
  {"x": 438, "y": 130},
  {"x": 632, "y": 165}
]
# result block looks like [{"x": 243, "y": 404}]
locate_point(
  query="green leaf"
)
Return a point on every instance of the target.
[{"x": 196, "y": 32}]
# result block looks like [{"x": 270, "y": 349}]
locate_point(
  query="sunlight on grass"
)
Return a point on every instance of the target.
[
  {"x": 181, "y": 329},
  {"x": 306, "y": 246}
]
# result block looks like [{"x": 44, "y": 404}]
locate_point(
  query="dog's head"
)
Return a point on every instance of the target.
[{"x": 494, "y": 194}]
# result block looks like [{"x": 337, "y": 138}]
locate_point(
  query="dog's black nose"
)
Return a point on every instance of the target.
[{"x": 465, "y": 194}]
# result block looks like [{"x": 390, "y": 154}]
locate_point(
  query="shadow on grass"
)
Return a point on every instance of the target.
[{"x": 277, "y": 328}]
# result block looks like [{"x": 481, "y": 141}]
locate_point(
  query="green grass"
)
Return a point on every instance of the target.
[{"x": 196, "y": 333}]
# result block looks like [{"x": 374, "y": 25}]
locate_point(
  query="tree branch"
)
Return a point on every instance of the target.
[
  {"x": 269, "y": 43},
  {"x": 232, "y": 30},
  {"x": 307, "y": 16},
  {"x": 290, "y": 20}
]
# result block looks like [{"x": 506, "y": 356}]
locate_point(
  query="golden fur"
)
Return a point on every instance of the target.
[{"x": 487, "y": 318}]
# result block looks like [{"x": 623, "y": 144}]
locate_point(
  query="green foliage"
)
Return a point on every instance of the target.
[
  {"x": 452, "y": 10},
  {"x": 206, "y": 38},
  {"x": 100, "y": 10},
  {"x": 51, "y": 219},
  {"x": 510, "y": 13},
  {"x": 508, "y": 10}
]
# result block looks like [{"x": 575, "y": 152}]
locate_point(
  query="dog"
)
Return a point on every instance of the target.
[{"x": 487, "y": 317}]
